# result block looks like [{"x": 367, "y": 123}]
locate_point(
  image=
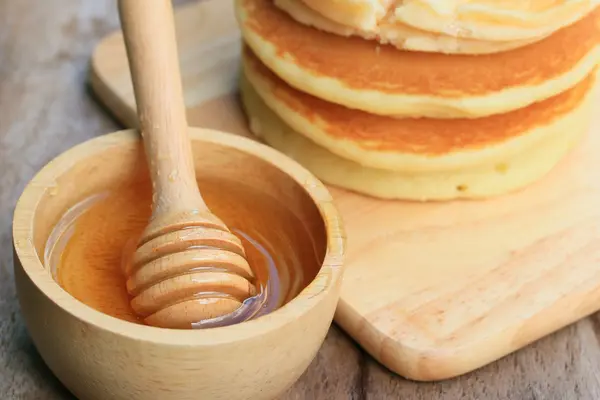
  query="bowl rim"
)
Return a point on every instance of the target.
[{"x": 328, "y": 276}]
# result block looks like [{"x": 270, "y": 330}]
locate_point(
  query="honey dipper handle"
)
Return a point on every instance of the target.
[{"x": 149, "y": 34}]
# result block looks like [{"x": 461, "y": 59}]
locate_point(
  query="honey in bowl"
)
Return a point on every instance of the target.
[{"x": 90, "y": 245}]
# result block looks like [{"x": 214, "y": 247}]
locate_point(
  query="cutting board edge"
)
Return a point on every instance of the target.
[{"x": 435, "y": 363}]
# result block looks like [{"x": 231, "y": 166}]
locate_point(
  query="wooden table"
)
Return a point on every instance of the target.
[{"x": 45, "y": 108}]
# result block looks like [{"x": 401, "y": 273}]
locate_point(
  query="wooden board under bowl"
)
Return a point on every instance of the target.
[{"x": 431, "y": 290}]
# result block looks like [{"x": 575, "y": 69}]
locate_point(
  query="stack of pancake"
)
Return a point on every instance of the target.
[{"x": 421, "y": 99}]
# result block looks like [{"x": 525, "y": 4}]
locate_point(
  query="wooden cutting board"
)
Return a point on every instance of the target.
[{"x": 431, "y": 290}]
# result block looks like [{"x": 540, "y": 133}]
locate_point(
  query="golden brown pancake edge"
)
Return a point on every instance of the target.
[
  {"x": 424, "y": 138},
  {"x": 490, "y": 179},
  {"x": 382, "y": 80}
]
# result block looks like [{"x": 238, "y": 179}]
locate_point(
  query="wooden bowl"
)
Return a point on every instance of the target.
[{"x": 100, "y": 357}]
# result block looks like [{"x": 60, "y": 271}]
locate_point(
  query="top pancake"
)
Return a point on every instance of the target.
[
  {"x": 404, "y": 37},
  {"x": 495, "y": 20},
  {"x": 381, "y": 80}
]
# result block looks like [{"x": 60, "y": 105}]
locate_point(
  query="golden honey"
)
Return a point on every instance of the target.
[{"x": 88, "y": 247}]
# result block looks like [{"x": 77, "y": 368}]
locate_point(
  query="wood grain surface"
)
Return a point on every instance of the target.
[{"x": 45, "y": 108}]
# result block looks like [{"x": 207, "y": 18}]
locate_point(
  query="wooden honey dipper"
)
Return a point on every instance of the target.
[{"x": 188, "y": 266}]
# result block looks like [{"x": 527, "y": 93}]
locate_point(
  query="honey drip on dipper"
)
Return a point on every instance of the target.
[{"x": 192, "y": 276}]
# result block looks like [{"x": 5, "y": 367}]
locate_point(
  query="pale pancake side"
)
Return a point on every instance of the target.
[
  {"x": 492, "y": 19},
  {"x": 363, "y": 14},
  {"x": 402, "y": 36},
  {"x": 484, "y": 181},
  {"x": 381, "y": 80},
  {"x": 409, "y": 144},
  {"x": 489, "y": 20}
]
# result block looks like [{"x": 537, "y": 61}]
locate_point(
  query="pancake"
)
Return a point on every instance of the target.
[
  {"x": 484, "y": 181},
  {"x": 361, "y": 14},
  {"x": 491, "y": 20},
  {"x": 364, "y": 75},
  {"x": 411, "y": 144},
  {"x": 397, "y": 34}
]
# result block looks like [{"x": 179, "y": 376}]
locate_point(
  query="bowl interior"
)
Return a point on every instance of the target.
[{"x": 119, "y": 160}]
